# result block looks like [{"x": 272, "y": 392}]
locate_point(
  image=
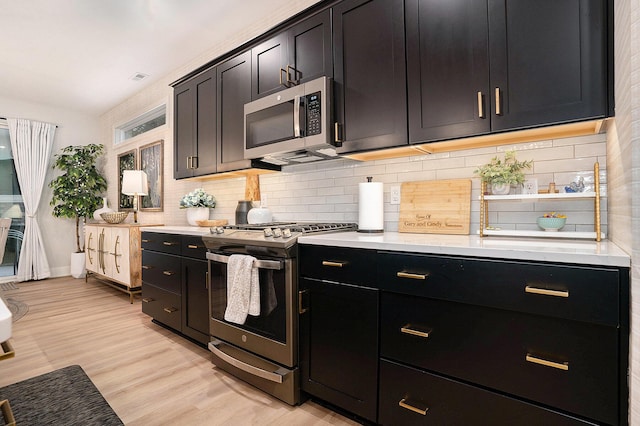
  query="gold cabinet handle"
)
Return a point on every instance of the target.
[
  {"x": 559, "y": 365},
  {"x": 168, "y": 243},
  {"x": 480, "y": 106},
  {"x": 408, "y": 330},
  {"x": 146, "y": 267},
  {"x": 333, "y": 264},
  {"x": 115, "y": 254},
  {"x": 405, "y": 404},
  {"x": 412, "y": 276},
  {"x": 336, "y": 133},
  {"x": 301, "y": 308},
  {"x": 291, "y": 81},
  {"x": 546, "y": 292},
  {"x": 168, "y": 273},
  {"x": 191, "y": 246},
  {"x": 498, "y": 103},
  {"x": 147, "y": 299},
  {"x": 145, "y": 241},
  {"x": 170, "y": 310},
  {"x": 284, "y": 81}
]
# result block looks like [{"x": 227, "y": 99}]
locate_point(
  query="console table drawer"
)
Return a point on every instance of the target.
[
  {"x": 579, "y": 293},
  {"x": 163, "y": 306},
  {"x": 162, "y": 270},
  {"x": 565, "y": 364},
  {"x": 409, "y": 396}
]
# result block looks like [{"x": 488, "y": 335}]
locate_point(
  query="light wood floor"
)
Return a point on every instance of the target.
[{"x": 148, "y": 375}]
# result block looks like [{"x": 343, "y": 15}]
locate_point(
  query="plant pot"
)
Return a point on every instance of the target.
[
  {"x": 194, "y": 214},
  {"x": 500, "y": 188},
  {"x": 78, "y": 267}
]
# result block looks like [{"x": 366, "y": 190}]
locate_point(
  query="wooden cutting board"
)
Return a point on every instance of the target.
[{"x": 435, "y": 207}]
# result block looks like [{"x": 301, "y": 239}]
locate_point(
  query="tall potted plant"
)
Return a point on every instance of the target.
[{"x": 77, "y": 191}]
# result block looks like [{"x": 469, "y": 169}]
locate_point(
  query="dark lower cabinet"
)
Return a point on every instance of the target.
[
  {"x": 369, "y": 74},
  {"x": 339, "y": 345},
  {"x": 174, "y": 283},
  {"x": 464, "y": 340}
]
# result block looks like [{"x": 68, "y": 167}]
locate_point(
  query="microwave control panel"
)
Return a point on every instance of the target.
[{"x": 314, "y": 115}]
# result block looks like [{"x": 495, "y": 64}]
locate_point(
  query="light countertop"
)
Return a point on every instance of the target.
[
  {"x": 603, "y": 253},
  {"x": 182, "y": 230}
]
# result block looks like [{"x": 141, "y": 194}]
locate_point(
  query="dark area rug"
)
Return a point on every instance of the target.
[{"x": 62, "y": 397}]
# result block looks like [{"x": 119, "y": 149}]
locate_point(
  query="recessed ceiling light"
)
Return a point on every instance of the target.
[{"x": 139, "y": 76}]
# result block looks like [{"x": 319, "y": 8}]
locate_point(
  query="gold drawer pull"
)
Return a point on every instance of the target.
[
  {"x": 404, "y": 404},
  {"x": 147, "y": 299},
  {"x": 145, "y": 241},
  {"x": 408, "y": 330},
  {"x": 170, "y": 310},
  {"x": 191, "y": 246},
  {"x": 168, "y": 273},
  {"x": 168, "y": 243},
  {"x": 333, "y": 264},
  {"x": 146, "y": 267},
  {"x": 544, "y": 291},
  {"x": 412, "y": 276},
  {"x": 559, "y": 365}
]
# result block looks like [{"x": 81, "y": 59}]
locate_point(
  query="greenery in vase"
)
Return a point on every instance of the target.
[
  {"x": 508, "y": 171},
  {"x": 77, "y": 192},
  {"x": 197, "y": 198}
]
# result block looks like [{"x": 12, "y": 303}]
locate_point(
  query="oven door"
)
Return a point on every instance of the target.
[{"x": 272, "y": 334}]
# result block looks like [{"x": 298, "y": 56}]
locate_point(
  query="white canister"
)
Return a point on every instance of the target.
[{"x": 370, "y": 206}]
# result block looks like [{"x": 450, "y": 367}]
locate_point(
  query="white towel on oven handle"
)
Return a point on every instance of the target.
[{"x": 243, "y": 288}]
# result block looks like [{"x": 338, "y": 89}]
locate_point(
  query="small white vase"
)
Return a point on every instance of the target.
[
  {"x": 194, "y": 214},
  {"x": 104, "y": 209},
  {"x": 259, "y": 215},
  {"x": 500, "y": 188},
  {"x": 78, "y": 267}
]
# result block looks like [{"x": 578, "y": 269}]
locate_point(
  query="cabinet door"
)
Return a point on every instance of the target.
[
  {"x": 447, "y": 69},
  {"x": 309, "y": 45},
  {"x": 548, "y": 61},
  {"x": 234, "y": 90},
  {"x": 195, "y": 300},
  {"x": 339, "y": 345},
  {"x": 268, "y": 66},
  {"x": 118, "y": 255},
  {"x": 195, "y": 126},
  {"x": 370, "y": 74},
  {"x": 91, "y": 248}
]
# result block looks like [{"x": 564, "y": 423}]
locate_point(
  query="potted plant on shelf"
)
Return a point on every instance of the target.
[
  {"x": 77, "y": 191},
  {"x": 501, "y": 175},
  {"x": 197, "y": 203}
]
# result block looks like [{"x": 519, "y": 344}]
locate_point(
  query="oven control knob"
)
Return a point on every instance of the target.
[
  {"x": 268, "y": 232},
  {"x": 219, "y": 230},
  {"x": 277, "y": 232},
  {"x": 286, "y": 233}
]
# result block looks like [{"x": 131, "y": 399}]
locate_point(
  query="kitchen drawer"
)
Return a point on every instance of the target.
[
  {"x": 448, "y": 402},
  {"x": 193, "y": 246},
  {"x": 579, "y": 293},
  {"x": 565, "y": 364},
  {"x": 337, "y": 264},
  {"x": 162, "y": 305},
  {"x": 161, "y": 242},
  {"x": 162, "y": 270}
]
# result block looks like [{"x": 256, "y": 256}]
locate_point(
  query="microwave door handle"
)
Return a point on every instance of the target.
[{"x": 296, "y": 116}]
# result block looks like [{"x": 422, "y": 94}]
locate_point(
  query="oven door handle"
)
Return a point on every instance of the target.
[
  {"x": 262, "y": 264},
  {"x": 269, "y": 375}
]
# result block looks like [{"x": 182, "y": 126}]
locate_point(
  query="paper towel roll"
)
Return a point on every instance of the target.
[{"x": 370, "y": 207}]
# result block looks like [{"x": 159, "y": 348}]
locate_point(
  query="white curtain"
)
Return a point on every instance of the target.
[{"x": 31, "y": 144}]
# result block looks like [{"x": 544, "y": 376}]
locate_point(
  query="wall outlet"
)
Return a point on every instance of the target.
[{"x": 395, "y": 194}]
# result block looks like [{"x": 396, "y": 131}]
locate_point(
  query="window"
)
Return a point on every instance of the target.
[
  {"x": 150, "y": 120},
  {"x": 11, "y": 205}
]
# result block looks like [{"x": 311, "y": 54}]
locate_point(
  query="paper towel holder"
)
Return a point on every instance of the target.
[{"x": 371, "y": 207}]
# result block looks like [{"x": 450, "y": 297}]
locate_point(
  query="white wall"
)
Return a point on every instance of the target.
[{"x": 74, "y": 128}]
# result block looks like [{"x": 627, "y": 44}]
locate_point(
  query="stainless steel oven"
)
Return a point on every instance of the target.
[{"x": 263, "y": 350}]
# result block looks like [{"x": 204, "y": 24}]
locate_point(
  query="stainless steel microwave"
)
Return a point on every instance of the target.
[{"x": 291, "y": 126}]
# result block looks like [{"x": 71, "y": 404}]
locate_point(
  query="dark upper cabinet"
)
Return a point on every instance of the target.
[
  {"x": 297, "y": 55},
  {"x": 234, "y": 90},
  {"x": 447, "y": 68},
  {"x": 548, "y": 61},
  {"x": 369, "y": 74},
  {"x": 486, "y": 66},
  {"x": 195, "y": 126}
]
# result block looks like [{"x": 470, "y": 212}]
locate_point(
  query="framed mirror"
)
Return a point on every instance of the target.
[{"x": 126, "y": 161}]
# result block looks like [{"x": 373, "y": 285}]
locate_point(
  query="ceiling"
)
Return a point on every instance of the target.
[{"x": 82, "y": 54}]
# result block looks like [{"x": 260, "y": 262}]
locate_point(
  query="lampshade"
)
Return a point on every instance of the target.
[
  {"x": 13, "y": 212},
  {"x": 134, "y": 182}
]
